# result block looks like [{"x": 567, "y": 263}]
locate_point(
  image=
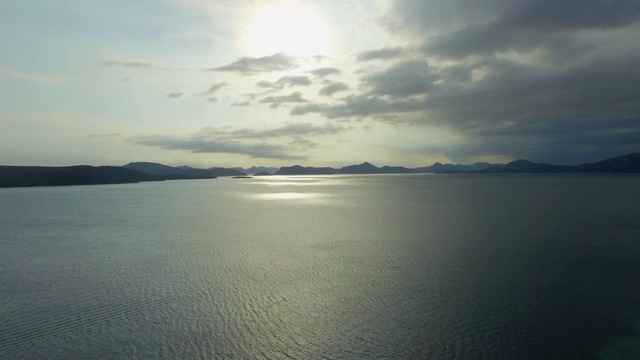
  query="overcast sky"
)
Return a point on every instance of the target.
[{"x": 318, "y": 83}]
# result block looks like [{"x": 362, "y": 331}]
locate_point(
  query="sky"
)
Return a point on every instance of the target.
[{"x": 318, "y": 83}]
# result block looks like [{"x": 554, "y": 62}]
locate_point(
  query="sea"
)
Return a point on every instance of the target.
[{"x": 411, "y": 266}]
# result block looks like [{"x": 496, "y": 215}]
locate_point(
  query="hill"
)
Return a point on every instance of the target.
[
  {"x": 368, "y": 168},
  {"x": 629, "y": 163},
  {"x": 181, "y": 172},
  {"x": 24, "y": 176}
]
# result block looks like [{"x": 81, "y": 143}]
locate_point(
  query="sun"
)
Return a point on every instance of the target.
[{"x": 291, "y": 28}]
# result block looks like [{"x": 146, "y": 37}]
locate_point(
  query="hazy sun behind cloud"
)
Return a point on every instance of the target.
[{"x": 291, "y": 27}]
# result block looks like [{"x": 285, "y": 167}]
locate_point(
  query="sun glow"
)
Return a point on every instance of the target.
[{"x": 291, "y": 28}]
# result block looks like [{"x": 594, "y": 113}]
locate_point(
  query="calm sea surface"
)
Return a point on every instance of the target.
[{"x": 329, "y": 267}]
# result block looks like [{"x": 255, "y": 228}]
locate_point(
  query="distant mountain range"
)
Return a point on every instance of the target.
[
  {"x": 368, "y": 168},
  {"x": 181, "y": 171},
  {"x": 629, "y": 163},
  {"x": 257, "y": 169},
  {"x": 21, "y": 176}
]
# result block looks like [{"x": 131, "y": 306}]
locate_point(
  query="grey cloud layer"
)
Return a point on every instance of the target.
[
  {"x": 245, "y": 141},
  {"x": 380, "y": 54}
]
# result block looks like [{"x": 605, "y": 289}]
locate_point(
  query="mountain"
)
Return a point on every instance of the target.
[
  {"x": 629, "y": 163},
  {"x": 364, "y": 168},
  {"x": 225, "y": 172},
  {"x": 23, "y": 176},
  {"x": 368, "y": 168},
  {"x": 438, "y": 167},
  {"x": 300, "y": 170},
  {"x": 524, "y": 166},
  {"x": 395, "y": 170},
  {"x": 257, "y": 169},
  {"x": 181, "y": 172},
  {"x": 262, "y": 173}
]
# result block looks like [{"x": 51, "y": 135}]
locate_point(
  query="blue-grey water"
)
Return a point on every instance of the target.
[{"x": 328, "y": 267}]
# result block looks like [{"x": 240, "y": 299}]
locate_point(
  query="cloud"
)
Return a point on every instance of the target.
[
  {"x": 213, "y": 89},
  {"x": 268, "y": 84},
  {"x": 275, "y": 101},
  {"x": 136, "y": 65},
  {"x": 333, "y": 88},
  {"x": 302, "y": 143},
  {"x": 212, "y": 99},
  {"x": 325, "y": 71},
  {"x": 549, "y": 81},
  {"x": 507, "y": 107},
  {"x": 249, "y": 65},
  {"x": 285, "y": 81},
  {"x": 380, "y": 54},
  {"x": 246, "y": 141},
  {"x": 459, "y": 28},
  {"x": 241, "y": 103},
  {"x": 286, "y": 130},
  {"x": 294, "y": 80},
  {"x": 175, "y": 95},
  {"x": 402, "y": 79},
  {"x": 31, "y": 77},
  {"x": 196, "y": 144}
]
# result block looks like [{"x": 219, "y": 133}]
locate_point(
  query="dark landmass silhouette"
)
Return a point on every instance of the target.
[
  {"x": 25, "y": 176},
  {"x": 438, "y": 167},
  {"x": 629, "y": 163},
  {"x": 300, "y": 170},
  {"x": 368, "y": 168},
  {"x": 256, "y": 169},
  {"x": 186, "y": 172}
]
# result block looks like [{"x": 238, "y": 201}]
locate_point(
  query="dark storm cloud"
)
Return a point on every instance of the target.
[
  {"x": 380, "y": 54},
  {"x": 333, "y": 88},
  {"x": 275, "y": 101},
  {"x": 249, "y": 65},
  {"x": 401, "y": 79},
  {"x": 555, "y": 81},
  {"x": 489, "y": 27},
  {"x": 325, "y": 71},
  {"x": 513, "y": 109}
]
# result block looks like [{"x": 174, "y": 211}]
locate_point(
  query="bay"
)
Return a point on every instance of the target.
[{"x": 355, "y": 267}]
